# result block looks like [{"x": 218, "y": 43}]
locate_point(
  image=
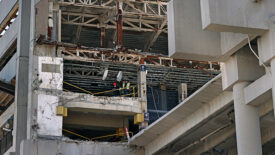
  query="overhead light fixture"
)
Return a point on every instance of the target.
[{"x": 105, "y": 74}]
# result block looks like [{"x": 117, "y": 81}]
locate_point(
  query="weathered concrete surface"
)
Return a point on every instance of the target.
[
  {"x": 50, "y": 70},
  {"x": 101, "y": 104},
  {"x": 186, "y": 37},
  {"x": 52, "y": 147},
  {"x": 239, "y": 16},
  {"x": 243, "y": 66},
  {"x": 259, "y": 91},
  {"x": 9, "y": 37},
  {"x": 46, "y": 116}
]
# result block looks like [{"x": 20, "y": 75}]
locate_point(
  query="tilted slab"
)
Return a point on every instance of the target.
[{"x": 195, "y": 109}]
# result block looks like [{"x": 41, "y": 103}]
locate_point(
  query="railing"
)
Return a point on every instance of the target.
[
  {"x": 5, "y": 142},
  {"x": 123, "y": 92}
]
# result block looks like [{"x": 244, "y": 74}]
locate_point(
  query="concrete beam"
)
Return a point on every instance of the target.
[
  {"x": 22, "y": 91},
  {"x": 9, "y": 37},
  {"x": 46, "y": 147},
  {"x": 93, "y": 120},
  {"x": 238, "y": 16},
  {"x": 189, "y": 122},
  {"x": 242, "y": 66},
  {"x": 97, "y": 104},
  {"x": 7, "y": 114},
  {"x": 214, "y": 140},
  {"x": 5, "y": 8},
  {"x": 259, "y": 91},
  {"x": 232, "y": 42}
]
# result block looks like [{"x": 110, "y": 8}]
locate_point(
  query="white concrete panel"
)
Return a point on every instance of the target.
[
  {"x": 186, "y": 37},
  {"x": 239, "y": 16},
  {"x": 52, "y": 75},
  {"x": 48, "y": 123}
]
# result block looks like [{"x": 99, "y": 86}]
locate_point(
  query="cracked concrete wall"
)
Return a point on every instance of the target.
[{"x": 53, "y": 147}]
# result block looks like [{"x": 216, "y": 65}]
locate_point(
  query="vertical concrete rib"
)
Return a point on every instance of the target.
[
  {"x": 272, "y": 64},
  {"x": 22, "y": 74},
  {"x": 247, "y": 123}
]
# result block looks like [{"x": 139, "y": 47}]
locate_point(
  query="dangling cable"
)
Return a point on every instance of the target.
[{"x": 256, "y": 54}]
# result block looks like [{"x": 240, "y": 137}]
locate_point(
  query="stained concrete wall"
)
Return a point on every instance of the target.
[{"x": 52, "y": 147}]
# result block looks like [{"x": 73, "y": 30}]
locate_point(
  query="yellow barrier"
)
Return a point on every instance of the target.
[
  {"x": 96, "y": 138},
  {"x": 78, "y": 88},
  {"x": 73, "y": 133}
]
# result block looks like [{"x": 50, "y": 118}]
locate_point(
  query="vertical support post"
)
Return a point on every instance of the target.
[
  {"x": 163, "y": 95},
  {"x": 102, "y": 37},
  {"x": 247, "y": 123},
  {"x": 119, "y": 24},
  {"x": 59, "y": 25},
  {"x": 142, "y": 92},
  {"x": 22, "y": 75},
  {"x": 182, "y": 92},
  {"x": 272, "y": 68}
]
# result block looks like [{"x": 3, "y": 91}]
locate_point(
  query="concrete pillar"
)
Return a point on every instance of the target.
[
  {"x": 247, "y": 123},
  {"x": 142, "y": 84},
  {"x": 163, "y": 97},
  {"x": 142, "y": 92},
  {"x": 22, "y": 75},
  {"x": 272, "y": 64}
]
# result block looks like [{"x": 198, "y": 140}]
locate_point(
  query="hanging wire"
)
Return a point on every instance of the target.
[{"x": 154, "y": 100}]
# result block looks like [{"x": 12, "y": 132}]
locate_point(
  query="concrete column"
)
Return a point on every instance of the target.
[
  {"x": 272, "y": 64},
  {"x": 163, "y": 97},
  {"x": 142, "y": 92},
  {"x": 247, "y": 123},
  {"x": 22, "y": 75}
]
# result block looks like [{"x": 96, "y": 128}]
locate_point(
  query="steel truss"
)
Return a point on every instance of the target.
[
  {"x": 132, "y": 57},
  {"x": 137, "y": 15}
]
